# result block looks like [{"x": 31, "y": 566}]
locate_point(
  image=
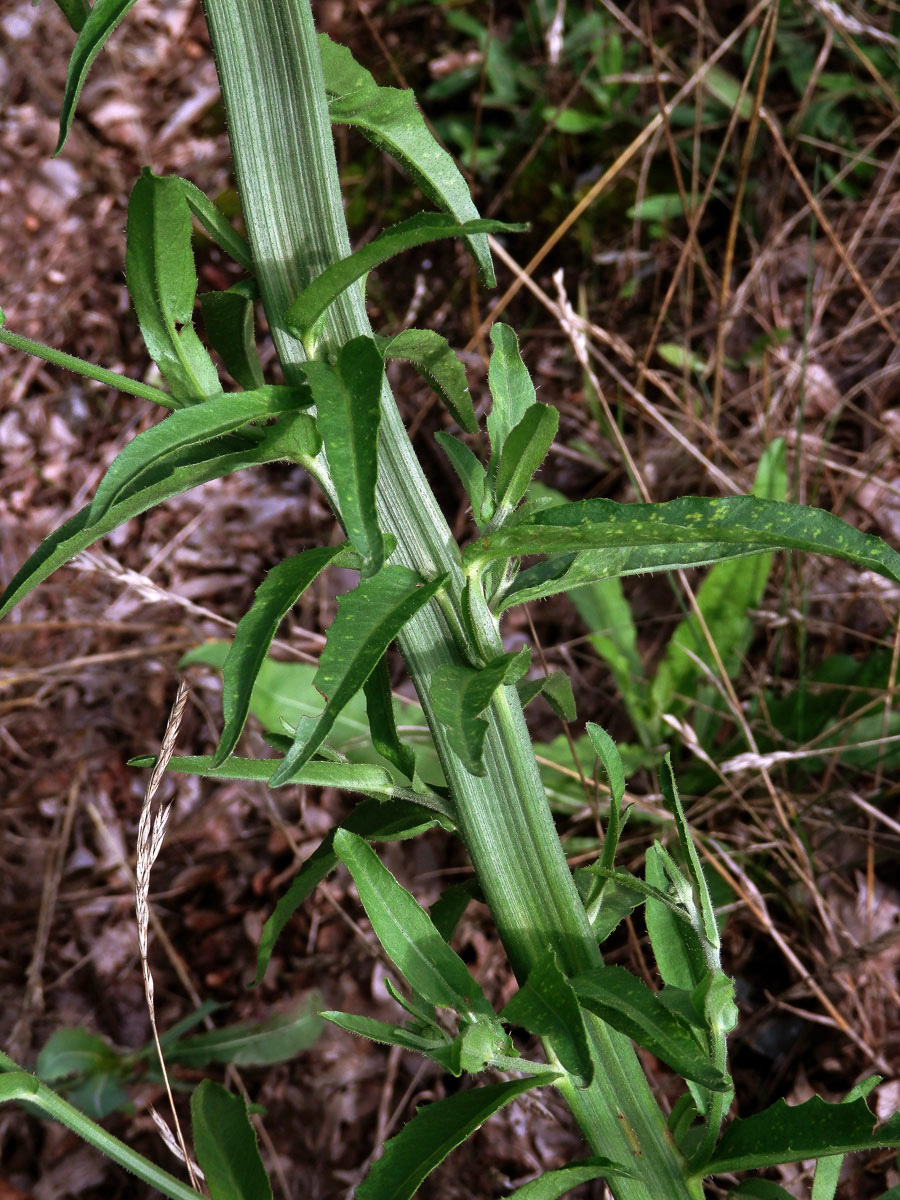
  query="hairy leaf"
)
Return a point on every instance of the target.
[
  {"x": 406, "y": 932},
  {"x": 389, "y": 118},
  {"x": 459, "y": 694},
  {"x": 523, "y": 452},
  {"x": 556, "y": 688},
  {"x": 512, "y": 391},
  {"x": 228, "y": 317},
  {"x": 367, "y": 621},
  {"x": 546, "y": 1005},
  {"x": 438, "y": 363},
  {"x": 217, "y": 226},
  {"x": 305, "y": 312},
  {"x": 96, "y": 28},
  {"x": 431, "y": 1042},
  {"x": 380, "y": 710},
  {"x": 225, "y": 1145},
  {"x": 472, "y": 474},
  {"x": 276, "y": 1039},
  {"x": 553, "y": 1184},
  {"x": 75, "y": 12}
]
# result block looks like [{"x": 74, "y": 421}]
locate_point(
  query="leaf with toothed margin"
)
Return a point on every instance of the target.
[
  {"x": 389, "y": 118},
  {"x": 368, "y": 619},
  {"x": 307, "y": 310}
]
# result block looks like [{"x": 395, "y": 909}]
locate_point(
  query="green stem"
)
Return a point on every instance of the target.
[
  {"x": 112, "y": 378},
  {"x": 16, "y": 1084},
  {"x": 272, "y": 85}
]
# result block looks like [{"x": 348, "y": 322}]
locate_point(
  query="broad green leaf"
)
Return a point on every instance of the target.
[
  {"x": 676, "y": 946},
  {"x": 275, "y": 597},
  {"x": 791, "y": 1133},
  {"x": 553, "y": 1184},
  {"x": 512, "y": 391},
  {"x": 438, "y": 363},
  {"x": 438, "y": 1047},
  {"x": 459, "y": 694},
  {"x": 546, "y": 1005},
  {"x": 433, "y": 1132},
  {"x": 724, "y": 597},
  {"x": 217, "y": 226},
  {"x": 153, "y": 449},
  {"x": 727, "y": 90},
  {"x": 74, "y": 1052},
  {"x": 406, "y": 932},
  {"x": 626, "y": 1003},
  {"x": 380, "y": 710},
  {"x": 180, "y": 473},
  {"x": 828, "y": 1170},
  {"x": 662, "y": 208},
  {"x": 99, "y": 1095},
  {"x": 162, "y": 281},
  {"x": 228, "y": 317},
  {"x": 381, "y": 821},
  {"x": 253, "y": 1043},
  {"x": 348, "y": 402},
  {"x": 308, "y": 308},
  {"x": 556, "y": 688},
  {"x": 368, "y": 619},
  {"x": 623, "y": 539},
  {"x": 27, "y": 1089},
  {"x": 98, "y": 25},
  {"x": 524, "y": 449},
  {"x": 75, "y": 12},
  {"x": 472, "y": 474},
  {"x": 225, "y": 1145},
  {"x": 389, "y": 118}
]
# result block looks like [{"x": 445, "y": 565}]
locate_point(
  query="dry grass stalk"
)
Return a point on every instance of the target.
[{"x": 151, "y": 831}]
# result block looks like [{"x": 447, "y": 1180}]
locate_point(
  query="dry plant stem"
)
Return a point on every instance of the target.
[{"x": 269, "y": 68}]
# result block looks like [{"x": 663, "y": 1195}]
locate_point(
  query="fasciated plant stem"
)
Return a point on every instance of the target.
[{"x": 269, "y": 68}]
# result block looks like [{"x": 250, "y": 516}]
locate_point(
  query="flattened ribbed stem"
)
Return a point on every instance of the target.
[{"x": 283, "y": 149}]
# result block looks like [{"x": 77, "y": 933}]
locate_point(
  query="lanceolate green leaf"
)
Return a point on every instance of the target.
[
  {"x": 790, "y": 1133},
  {"x": 523, "y": 452},
  {"x": 311, "y": 304},
  {"x": 382, "y": 723},
  {"x": 228, "y": 317},
  {"x": 104, "y": 17},
  {"x": 472, "y": 474},
  {"x": 556, "y": 688},
  {"x": 390, "y": 119},
  {"x": 828, "y": 1170},
  {"x": 275, "y": 597},
  {"x": 361, "y": 778},
  {"x": 437, "y": 361},
  {"x": 676, "y": 945},
  {"x": 217, "y": 226},
  {"x": 438, "y": 1047},
  {"x": 546, "y": 1005},
  {"x": 553, "y": 1184},
  {"x": 162, "y": 281},
  {"x": 225, "y": 1144},
  {"x": 608, "y": 753},
  {"x": 626, "y": 1003},
  {"x": 75, "y": 12},
  {"x": 348, "y": 402},
  {"x": 511, "y": 389},
  {"x": 186, "y": 428},
  {"x": 368, "y": 620},
  {"x": 253, "y": 1043},
  {"x": 433, "y": 1132},
  {"x": 410, "y": 940},
  {"x": 381, "y": 821},
  {"x": 183, "y": 471},
  {"x": 629, "y": 538},
  {"x": 459, "y": 694}
]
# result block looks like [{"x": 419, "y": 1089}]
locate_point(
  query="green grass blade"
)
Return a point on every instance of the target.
[
  {"x": 347, "y": 396},
  {"x": 686, "y": 532},
  {"x": 433, "y": 356},
  {"x": 367, "y": 621},
  {"x": 389, "y": 118},
  {"x": 512, "y": 391},
  {"x": 104, "y": 17},
  {"x": 225, "y": 1145},
  {"x": 626, "y": 1003},
  {"x": 406, "y": 932},
  {"x": 162, "y": 281},
  {"x": 460, "y": 694},
  {"x": 790, "y": 1133},
  {"x": 546, "y": 1005},
  {"x": 433, "y": 1132},
  {"x": 275, "y": 597},
  {"x": 309, "y": 307}
]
